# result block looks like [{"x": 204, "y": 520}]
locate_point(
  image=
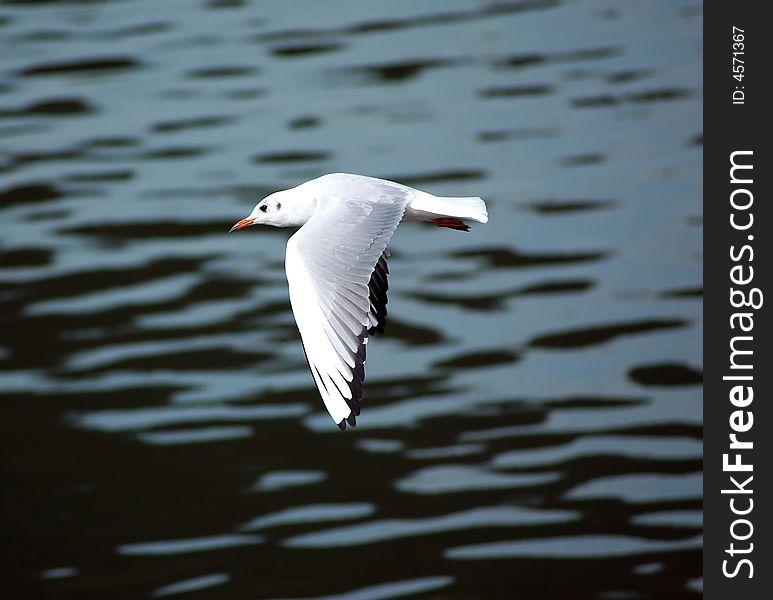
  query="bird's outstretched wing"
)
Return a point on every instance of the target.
[{"x": 336, "y": 272}]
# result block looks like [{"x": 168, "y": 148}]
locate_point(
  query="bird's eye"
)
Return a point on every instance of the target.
[{"x": 263, "y": 207}]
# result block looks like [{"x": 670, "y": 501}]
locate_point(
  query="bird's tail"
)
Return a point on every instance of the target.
[
  {"x": 448, "y": 212},
  {"x": 470, "y": 208}
]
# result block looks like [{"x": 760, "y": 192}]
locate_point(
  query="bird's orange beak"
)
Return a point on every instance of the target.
[{"x": 242, "y": 224}]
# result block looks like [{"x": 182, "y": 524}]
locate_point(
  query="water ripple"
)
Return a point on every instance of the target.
[
  {"x": 193, "y": 584},
  {"x": 589, "y": 546},
  {"x": 641, "y": 488},
  {"x": 446, "y": 479},
  {"x": 390, "y": 529},
  {"x": 311, "y": 513},
  {"x": 385, "y": 591},
  {"x": 186, "y": 546}
]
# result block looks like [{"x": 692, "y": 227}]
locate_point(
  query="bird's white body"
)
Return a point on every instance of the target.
[
  {"x": 297, "y": 205},
  {"x": 336, "y": 267}
]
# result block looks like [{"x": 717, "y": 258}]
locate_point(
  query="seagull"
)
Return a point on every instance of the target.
[{"x": 336, "y": 266}]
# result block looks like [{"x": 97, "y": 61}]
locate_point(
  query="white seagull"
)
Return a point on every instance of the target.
[{"x": 336, "y": 266}]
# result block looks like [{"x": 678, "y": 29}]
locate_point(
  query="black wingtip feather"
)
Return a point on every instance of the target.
[
  {"x": 358, "y": 377},
  {"x": 351, "y": 419},
  {"x": 378, "y": 286}
]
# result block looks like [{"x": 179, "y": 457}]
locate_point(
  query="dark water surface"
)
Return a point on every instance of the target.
[{"x": 532, "y": 422}]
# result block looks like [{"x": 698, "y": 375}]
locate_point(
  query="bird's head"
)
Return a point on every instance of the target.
[
  {"x": 281, "y": 209},
  {"x": 266, "y": 212}
]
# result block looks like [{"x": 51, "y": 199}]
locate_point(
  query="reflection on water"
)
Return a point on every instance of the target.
[
  {"x": 192, "y": 585},
  {"x": 532, "y": 420},
  {"x": 581, "y": 547},
  {"x": 205, "y": 544}
]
